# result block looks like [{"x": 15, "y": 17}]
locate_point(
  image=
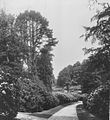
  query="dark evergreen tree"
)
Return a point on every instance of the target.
[
  {"x": 100, "y": 56},
  {"x": 45, "y": 70}
]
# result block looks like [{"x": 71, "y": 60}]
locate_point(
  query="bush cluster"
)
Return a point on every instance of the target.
[
  {"x": 51, "y": 101},
  {"x": 65, "y": 98},
  {"x": 9, "y": 95},
  {"x": 43, "y": 101},
  {"x": 8, "y": 101},
  {"x": 98, "y": 102},
  {"x": 37, "y": 99},
  {"x": 34, "y": 98},
  {"x": 31, "y": 98}
]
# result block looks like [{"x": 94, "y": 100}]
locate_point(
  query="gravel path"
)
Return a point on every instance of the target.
[{"x": 67, "y": 113}]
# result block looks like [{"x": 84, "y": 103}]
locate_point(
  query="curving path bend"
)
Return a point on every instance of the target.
[{"x": 67, "y": 113}]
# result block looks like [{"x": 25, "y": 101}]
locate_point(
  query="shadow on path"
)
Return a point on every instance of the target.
[{"x": 84, "y": 114}]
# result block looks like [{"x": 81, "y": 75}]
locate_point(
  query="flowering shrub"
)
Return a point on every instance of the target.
[
  {"x": 8, "y": 101},
  {"x": 34, "y": 98},
  {"x": 34, "y": 104},
  {"x": 31, "y": 96},
  {"x": 50, "y": 101},
  {"x": 98, "y": 102},
  {"x": 65, "y": 98}
]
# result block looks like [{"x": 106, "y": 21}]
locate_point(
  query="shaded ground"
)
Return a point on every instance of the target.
[{"x": 84, "y": 114}]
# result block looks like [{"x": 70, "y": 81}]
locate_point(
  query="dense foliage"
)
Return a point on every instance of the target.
[
  {"x": 97, "y": 102},
  {"x": 45, "y": 70},
  {"x": 33, "y": 30},
  {"x": 69, "y": 74},
  {"x": 99, "y": 63},
  {"x": 24, "y": 41},
  {"x": 66, "y": 97},
  {"x": 35, "y": 98},
  {"x": 64, "y": 76},
  {"x": 30, "y": 95},
  {"x": 10, "y": 67}
]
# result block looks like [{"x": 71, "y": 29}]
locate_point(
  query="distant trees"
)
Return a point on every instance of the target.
[
  {"x": 64, "y": 76},
  {"x": 75, "y": 75},
  {"x": 88, "y": 80},
  {"x": 69, "y": 74}
]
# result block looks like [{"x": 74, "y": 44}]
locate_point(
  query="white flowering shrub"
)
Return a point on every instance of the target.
[
  {"x": 65, "y": 98},
  {"x": 98, "y": 102},
  {"x": 8, "y": 101}
]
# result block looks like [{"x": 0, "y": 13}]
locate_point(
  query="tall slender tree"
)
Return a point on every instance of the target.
[
  {"x": 33, "y": 30},
  {"x": 45, "y": 70},
  {"x": 100, "y": 57}
]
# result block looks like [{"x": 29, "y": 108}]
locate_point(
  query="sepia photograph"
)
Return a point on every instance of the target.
[{"x": 54, "y": 59}]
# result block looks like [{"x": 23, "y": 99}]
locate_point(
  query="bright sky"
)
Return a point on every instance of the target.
[{"x": 66, "y": 18}]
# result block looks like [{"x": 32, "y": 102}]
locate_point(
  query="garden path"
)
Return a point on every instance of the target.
[
  {"x": 67, "y": 113},
  {"x": 74, "y": 111}
]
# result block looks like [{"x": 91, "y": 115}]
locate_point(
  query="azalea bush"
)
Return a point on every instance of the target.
[
  {"x": 30, "y": 97},
  {"x": 9, "y": 103},
  {"x": 32, "y": 103},
  {"x": 34, "y": 98},
  {"x": 40, "y": 102},
  {"x": 98, "y": 102},
  {"x": 51, "y": 101},
  {"x": 65, "y": 98}
]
